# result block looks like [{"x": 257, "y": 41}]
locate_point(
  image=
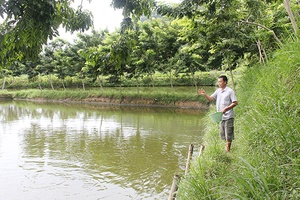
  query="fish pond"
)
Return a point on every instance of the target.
[{"x": 83, "y": 151}]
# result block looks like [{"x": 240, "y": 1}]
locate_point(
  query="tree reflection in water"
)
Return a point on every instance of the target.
[{"x": 131, "y": 152}]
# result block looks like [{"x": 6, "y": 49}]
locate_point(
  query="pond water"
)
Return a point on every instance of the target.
[{"x": 80, "y": 151}]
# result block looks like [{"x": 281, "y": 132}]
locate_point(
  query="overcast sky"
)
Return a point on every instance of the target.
[{"x": 104, "y": 15}]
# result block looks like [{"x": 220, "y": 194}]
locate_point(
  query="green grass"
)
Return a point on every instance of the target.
[
  {"x": 265, "y": 158},
  {"x": 162, "y": 95}
]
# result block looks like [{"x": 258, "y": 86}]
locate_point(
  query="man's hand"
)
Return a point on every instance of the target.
[
  {"x": 232, "y": 105},
  {"x": 202, "y": 92},
  {"x": 224, "y": 110}
]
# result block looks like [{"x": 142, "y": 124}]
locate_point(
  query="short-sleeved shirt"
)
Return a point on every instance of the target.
[{"x": 223, "y": 99}]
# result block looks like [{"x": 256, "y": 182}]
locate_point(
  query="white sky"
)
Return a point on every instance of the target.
[{"x": 104, "y": 15}]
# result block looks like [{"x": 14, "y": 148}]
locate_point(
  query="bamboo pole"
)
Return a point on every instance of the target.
[
  {"x": 174, "y": 187},
  {"x": 202, "y": 147},
  {"x": 188, "y": 162}
]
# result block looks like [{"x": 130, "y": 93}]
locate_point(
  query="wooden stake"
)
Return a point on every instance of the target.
[
  {"x": 174, "y": 187},
  {"x": 202, "y": 147},
  {"x": 188, "y": 162}
]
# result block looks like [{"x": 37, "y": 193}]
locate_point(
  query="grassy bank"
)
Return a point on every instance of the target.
[
  {"x": 127, "y": 95},
  {"x": 265, "y": 159}
]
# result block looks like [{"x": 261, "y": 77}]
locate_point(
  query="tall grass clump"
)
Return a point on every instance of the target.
[
  {"x": 269, "y": 122},
  {"x": 265, "y": 158}
]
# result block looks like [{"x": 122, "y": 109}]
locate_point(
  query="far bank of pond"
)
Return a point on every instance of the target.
[
  {"x": 178, "y": 97},
  {"x": 137, "y": 102}
]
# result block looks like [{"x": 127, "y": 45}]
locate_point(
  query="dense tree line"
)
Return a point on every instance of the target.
[{"x": 184, "y": 38}]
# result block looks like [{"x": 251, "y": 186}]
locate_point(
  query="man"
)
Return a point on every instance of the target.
[{"x": 225, "y": 102}]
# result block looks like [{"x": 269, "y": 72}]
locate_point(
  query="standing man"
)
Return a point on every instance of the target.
[{"x": 225, "y": 102}]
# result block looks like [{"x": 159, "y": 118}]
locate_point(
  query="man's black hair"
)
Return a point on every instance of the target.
[{"x": 225, "y": 79}]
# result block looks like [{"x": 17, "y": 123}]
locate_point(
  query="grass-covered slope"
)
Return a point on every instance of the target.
[{"x": 265, "y": 158}]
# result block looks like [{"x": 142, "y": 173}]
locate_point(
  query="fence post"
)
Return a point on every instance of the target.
[
  {"x": 202, "y": 147},
  {"x": 188, "y": 162},
  {"x": 174, "y": 187}
]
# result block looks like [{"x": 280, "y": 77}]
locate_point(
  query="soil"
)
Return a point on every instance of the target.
[
  {"x": 132, "y": 102},
  {"x": 145, "y": 102}
]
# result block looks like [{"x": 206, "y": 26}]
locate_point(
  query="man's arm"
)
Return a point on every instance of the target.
[
  {"x": 231, "y": 106},
  {"x": 203, "y": 93}
]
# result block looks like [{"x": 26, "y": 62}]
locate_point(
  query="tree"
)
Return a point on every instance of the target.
[
  {"x": 61, "y": 68},
  {"x": 48, "y": 62},
  {"x": 168, "y": 46},
  {"x": 133, "y": 10},
  {"x": 32, "y": 71},
  {"x": 121, "y": 54},
  {"x": 230, "y": 31},
  {"x": 145, "y": 51},
  {"x": 94, "y": 51},
  {"x": 28, "y": 24}
]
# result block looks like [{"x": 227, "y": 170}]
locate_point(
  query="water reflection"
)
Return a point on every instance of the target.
[{"x": 67, "y": 151}]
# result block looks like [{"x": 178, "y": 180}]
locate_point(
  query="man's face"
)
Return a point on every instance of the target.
[{"x": 221, "y": 83}]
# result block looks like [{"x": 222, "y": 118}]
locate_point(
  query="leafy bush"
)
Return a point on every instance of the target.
[{"x": 202, "y": 78}]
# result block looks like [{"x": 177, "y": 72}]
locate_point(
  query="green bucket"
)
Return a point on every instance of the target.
[{"x": 216, "y": 117}]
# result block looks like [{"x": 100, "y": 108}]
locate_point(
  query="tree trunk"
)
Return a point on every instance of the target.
[
  {"x": 231, "y": 74},
  {"x": 63, "y": 84},
  {"x": 288, "y": 9},
  {"x": 195, "y": 81},
  {"x": 261, "y": 58},
  {"x": 262, "y": 53},
  {"x": 265, "y": 54},
  {"x": 152, "y": 80},
  {"x": 137, "y": 85},
  {"x": 100, "y": 83},
  {"x": 3, "y": 84},
  {"x": 83, "y": 86},
  {"x": 50, "y": 80},
  {"x": 40, "y": 86},
  {"x": 171, "y": 79}
]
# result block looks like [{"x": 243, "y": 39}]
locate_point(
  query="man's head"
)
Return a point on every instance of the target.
[{"x": 222, "y": 81}]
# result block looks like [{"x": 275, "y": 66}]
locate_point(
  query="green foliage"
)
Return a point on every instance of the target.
[
  {"x": 132, "y": 8},
  {"x": 206, "y": 35},
  {"x": 29, "y": 24},
  {"x": 158, "y": 79},
  {"x": 225, "y": 31},
  {"x": 264, "y": 162}
]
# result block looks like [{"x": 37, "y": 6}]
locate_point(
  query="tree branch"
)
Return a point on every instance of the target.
[{"x": 262, "y": 26}]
